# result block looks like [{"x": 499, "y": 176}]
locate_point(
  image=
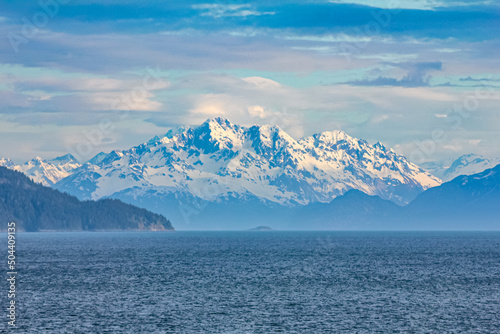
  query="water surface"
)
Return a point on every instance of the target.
[{"x": 258, "y": 282}]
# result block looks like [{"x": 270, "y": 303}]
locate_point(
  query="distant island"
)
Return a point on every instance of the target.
[
  {"x": 261, "y": 229},
  {"x": 34, "y": 207}
]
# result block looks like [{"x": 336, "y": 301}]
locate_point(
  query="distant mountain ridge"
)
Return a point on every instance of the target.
[
  {"x": 355, "y": 210},
  {"x": 35, "y": 207},
  {"x": 218, "y": 160},
  {"x": 468, "y": 202},
  {"x": 221, "y": 175},
  {"x": 220, "y": 166},
  {"x": 467, "y": 164},
  {"x": 45, "y": 172},
  {"x": 465, "y": 203}
]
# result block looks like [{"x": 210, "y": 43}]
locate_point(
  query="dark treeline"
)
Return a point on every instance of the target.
[{"x": 34, "y": 207}]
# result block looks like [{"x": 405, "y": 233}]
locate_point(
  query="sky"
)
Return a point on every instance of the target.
[{"x": 85, "y": 76}]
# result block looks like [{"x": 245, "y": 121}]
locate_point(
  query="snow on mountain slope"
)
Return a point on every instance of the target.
[
  {"x": 47, "y": 173},
  {"x": 468, "y": 164},
  {"x": 6, "y": 162},
  {"x": 97, "y": 158},
  {"x": 219, "y": 161}
]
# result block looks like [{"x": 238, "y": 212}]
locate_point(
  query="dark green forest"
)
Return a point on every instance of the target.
[{"x": 37, "y": 208}]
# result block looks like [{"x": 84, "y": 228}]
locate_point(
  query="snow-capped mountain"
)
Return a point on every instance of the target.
[
  {"x": 220, "y": 170},
  {"x": 45, "y": 172},
  {"x": 468, "y": 164},
  {"x": 6, "y": 162},
  {"x": 219, "y": 161}
]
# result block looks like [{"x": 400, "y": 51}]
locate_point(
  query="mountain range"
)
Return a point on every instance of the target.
[
  {"x": 467, "y": 164},
  {"x": 48, "y": 173},
  {"x": 222, "y": 175},
  {"x": 468, "y": 202}
]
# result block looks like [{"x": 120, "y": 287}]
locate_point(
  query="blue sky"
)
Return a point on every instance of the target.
[{"x": 84, "y": 76}]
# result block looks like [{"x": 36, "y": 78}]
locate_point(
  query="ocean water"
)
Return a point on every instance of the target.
[{"x": 257, "y": 282}]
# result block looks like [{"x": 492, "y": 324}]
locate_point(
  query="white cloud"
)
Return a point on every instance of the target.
[
  {"x": 223, "y": 10},
  {"x": 407, "y": 4},
  {"x": 210, "y": 105},
  {"x": 332, "y": 38},
  {"x": 88, "y": 84},
  {"x": 414, "y": 4},
  {"x": 448, "y": 50},
  {"x": 424, "y": 93},
  {"x": 59, "y": 93},
  {"x": 389, "y": 57},
  {"x": 454, "y": 148},
  {"x": 257, "y": 111},
  {"x": 123, "y": 101},
  {"x": 262, "y": 83}
]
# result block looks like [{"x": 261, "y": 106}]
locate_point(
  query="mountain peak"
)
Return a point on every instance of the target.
[
  {"x": 272, "y": 130},
  {"x": 6, "y": 162},
  {"x": 65, "y": 159},
  {"x": 331, "y": 140},
  {"x": 467, "y": 164},
  {"x": 268, "y": 140},
  {"x": 380, "y": 146},
  {"x": 219, "y": 121},
  {"x": 217, "y": 134},
  {"x": 37, "y": 161},
  {"x": 174, "y": 132},
  {"x": 98, "y": 158},
  {"x": 332, "y": 137},
  {"x": 43, "y": 171},
  {"x": 467, "y": 158}
]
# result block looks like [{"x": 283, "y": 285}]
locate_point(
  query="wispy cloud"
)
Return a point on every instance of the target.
[
  {"x": 281, "y": 62},
  {"x": 414, "y": 4},
  {"x": 417, "y": 76},
  {"x": 225, "y": 10},
  {"x": 340, "y": 37},
  {"x": 484, "y": 79}
]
